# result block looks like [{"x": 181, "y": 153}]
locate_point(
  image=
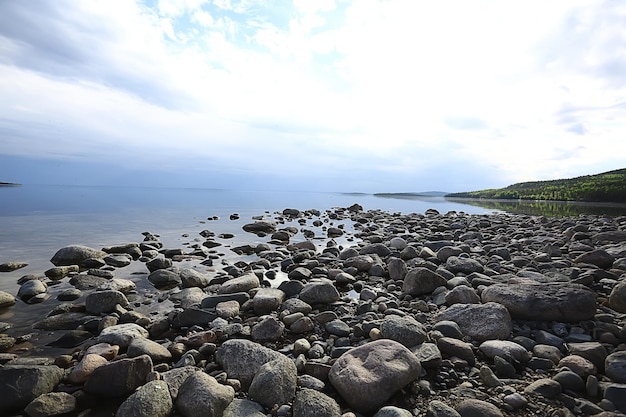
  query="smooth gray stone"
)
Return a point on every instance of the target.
[
  {"x": 202, "y": 396},
  {"x": 51, "y": 404},
  {"x": 76, "y": 255},
  {"x": 274, "y": 383},
  {"x": 311, "y": 403}
]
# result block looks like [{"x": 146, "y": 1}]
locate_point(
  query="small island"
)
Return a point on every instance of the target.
[{"x": 9, "y": 184}]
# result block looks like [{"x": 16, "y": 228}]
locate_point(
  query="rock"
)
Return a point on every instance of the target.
[
  {"x": 176, "y": 377},
  {"x": 553, "y": 301},
  {"x": 438, "y": 408},
  {"x": 122, "y": 377},
  {"x": 489, "y": 378},
  {"x": 140, "y": 346},
  {"x": 70, "y": 294},
  {"x": 151, "y": 400},
  {"x": 192, "y": 278},
  {"x": 391, "y": 411},
  {"x": 261, "y": 226},
  {"x": 60, "y": 272},
  {"x": 213, "y": 300},
  {"x": 158, "y": 263},
  {"x": 598, "y": 257},
  {"x": 515, "y": 400},
  {"x": 615, "y": 366},
  {"x": 87, "y": 281},
  {"x": 581, "y": 366},
  {"x": 267, "y": 330},
  {"x": 462, "y": 295},
  {"x": 397, "y": 269},
  {"x": 118, "y": 260},
  {"x": 362, "y": 263},
  {"x": 570, "y": 381},
  {"x": 311, "y": 403},
  {"x": 6, "y": 342},
  {"x": 338, "y": 328},
  {"x": 368, "y": 375},
  {"x": 274, "y": 383},
  {"x": 241, "y": 359},
  {"x": 227, "y": 309},
  {"x": 405, "y": 330},
  {"x": 6, "y": 299},
  {"x": 81, "y": 372},
  {"x": 51, "y": 404},
  {"x": 71, "y": 338},
  {"x": 104, "y": 301},
  {"x": 164, "y": 278},
  {"x": 428, "y": 354},
  {"x": 617, "y": 298},
  {"x": 504, "y": 348},
  {"x": 544, "y": 387},
  {"x": 450, "y": 347},
  {"x": 64, "y": 321},
  {"x": 244, "y": 408},
  {"x": 122, "y": 334},
  {"x": 243, "y": 283},
  {"x": 31, "y": 289},
  {"x": 480, "y": 321},
  {"x": 616, "y": 393},
  {"x": 202, "y": 396},
  {"x": 12, "y": 266},
  {"x": 21, "y": 384},
  {"x": 76, "y": 255},
  {"x": 456, "y": 264},
  {"x": 476, "y": 408},
  {"x": 267, "y": 300},
  {"x": 448, "y": 329},
  {"x": 592, "y": 351},
  {"x": 420, "y": 281},
  {"x": 321, "y": 291}
]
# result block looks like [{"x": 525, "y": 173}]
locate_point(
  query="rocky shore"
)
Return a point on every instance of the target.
[{"x": 338, "y": 313}]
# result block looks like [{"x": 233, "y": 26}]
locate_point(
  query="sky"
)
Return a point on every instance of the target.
[{"x": 322, "y": 95}]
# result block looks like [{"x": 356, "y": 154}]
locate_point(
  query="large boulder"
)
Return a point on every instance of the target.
[
  {"x": 104, "y": 301},
  {"x": 76, "y": 255},
  {"x": 545, "y": 302},
  {"x": 320, "y": 291},
  {"x": 119, "y": 378},
  {"x": 311, "y": 403},
  {"x": 421, "y": 280},
  {"x": 274, "y": 383},
  {"x": 151, "y": 400},
  {"x": 370, "y": 374},
  {"x": 21, "y": 384},
  {"x": 480, "y": 321}
]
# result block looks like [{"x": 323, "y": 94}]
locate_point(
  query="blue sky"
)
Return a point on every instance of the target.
[{"x": 328, "y": 95}]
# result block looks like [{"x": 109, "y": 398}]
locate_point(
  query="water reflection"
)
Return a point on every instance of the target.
[{"x": 546, "y": 208}]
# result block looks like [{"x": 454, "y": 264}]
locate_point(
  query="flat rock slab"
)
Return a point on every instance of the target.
[
  {"x": 546, "y": 302},
  {"x": 480, "y": 321}
]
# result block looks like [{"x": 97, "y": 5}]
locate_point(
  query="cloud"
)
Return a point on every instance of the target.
[{"x": 371, "y": 94}]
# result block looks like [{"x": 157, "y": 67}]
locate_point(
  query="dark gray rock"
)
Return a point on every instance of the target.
[
  {"x": 544, "y": 387},
  {"x": 202, "y": 396},
  {"x": 598, "y": 257},
  {"x": 450, "y": 347},
  {"x": 267, "y": 300},
  {"x": 175, "y": 378},
  {"x": 213, "y": 300},
  {"x": 616, "y": 393},
  {"x": 268, "y": 329},
  {"x": 51, "y": 404},
  {"x": 320, "y": 291},
  {"x": 555, "y": 301},
  {"x": 104, "y": 301},
  {"x": 615, "y": 366},
  {"x": 244, "y": 408},
  {"x": 59, "y": 272},
  {"x": 76, "y": 255},
  {"x": 164, "y": 278},
  {"x": 368, "y": 375},
  {"x": 420, "y": 281},
  {"x": 504, "y": 348},
  {"x": 12, "y": 266},
  {"x": 21, "y": 384},
  {"x": 456, "y": 264},
  {"x": 122, "y": 377},
  {"x": 477, "y": 408},
  {"x": 30, "y": 289},
  {"x": 617, "y": 299},
  {"x": 63, "y": 321},
  {"x": 405, "y": 330},
  {"x": 260, "y": 226},
  {"x": 118, "y": 260}
]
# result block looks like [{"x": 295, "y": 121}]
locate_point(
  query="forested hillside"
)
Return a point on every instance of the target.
[{"x": 606, "y": 187}]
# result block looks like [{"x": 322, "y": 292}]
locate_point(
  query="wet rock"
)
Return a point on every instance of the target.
[
  {"x": 64, "y": 321},
  {"x": 21, "y": 384},
  {"x": 61, "y": 272},
  {"x": 104, "y": 301},
  {"x": 320, "y": 291},
  {"x": 213, "y": 300},
  {"x": 368, "y": 375},
  {"x": 31, "y": 289},
  {"x": 12, "y": 266},
  {"x": 51, "y": 404},
  {"x": 71, "y": 338},
  {"x": 6, "y": 342},
  {"x": 151, "y": 400},
  {"x": 6, "y": 299},
  {"x": 158, "y": 263},
  {"x": 202, "y": 396},
  {"x": 122, "y": 377},
  {"x": 480, "y": 321},
  {"x": 164, "y": 278},
  {"x": 261, "y": 226},
  {"x": 311, "y": 403},
  {"x": 76, "y": 255},
  {"x": 70, "y": 294},
  {"x": 274, "y": 383},
  {"x": 420, "y": 281},
  {"x": 615, "y": 366},
  {"x": 555, "y": 301}
]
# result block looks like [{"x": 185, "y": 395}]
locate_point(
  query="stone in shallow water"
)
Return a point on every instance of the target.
[
  {"x": 370, "y": 374},
  {"x": 76, "y": 255},
  {"x": 554, "y": 301},
  {"x": 6, "y": 299}
]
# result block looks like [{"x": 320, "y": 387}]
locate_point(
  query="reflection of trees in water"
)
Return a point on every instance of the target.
[{"x": 546, "y": 208}]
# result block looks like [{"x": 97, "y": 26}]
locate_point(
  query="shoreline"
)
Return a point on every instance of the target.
[{"x": 295, "y": 291}]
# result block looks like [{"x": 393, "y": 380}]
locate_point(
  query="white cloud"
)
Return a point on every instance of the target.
[{"x": 514, "y": 91}]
